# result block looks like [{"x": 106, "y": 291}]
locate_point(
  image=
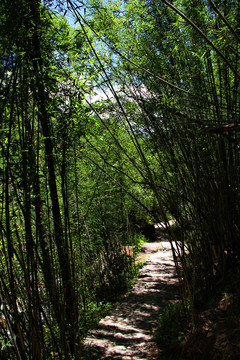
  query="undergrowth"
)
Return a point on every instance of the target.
[
  {"x": 216, "y": 334},
  {"x": 172, "y": 323}
]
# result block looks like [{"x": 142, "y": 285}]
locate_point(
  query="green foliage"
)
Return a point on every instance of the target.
[
  {"x": 171, "y": 330},
  {"x": 177, "y": 69},
  {"x": 106, "y": 129}
]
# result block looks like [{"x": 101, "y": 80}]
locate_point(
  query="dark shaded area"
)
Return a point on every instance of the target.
[
  {"x": 217, "y": 334},
  {"x": 149, "y": 232}
]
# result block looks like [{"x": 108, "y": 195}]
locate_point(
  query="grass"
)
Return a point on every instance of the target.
[{"x": 171, "y": 330}]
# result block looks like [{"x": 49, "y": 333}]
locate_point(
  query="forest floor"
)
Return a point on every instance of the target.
[
  {"x": 216, "y": 335},
  {"x": 128, "y": 333}
]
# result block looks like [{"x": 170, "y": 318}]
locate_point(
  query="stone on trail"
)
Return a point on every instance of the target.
[{"x": 128, "y": 333}]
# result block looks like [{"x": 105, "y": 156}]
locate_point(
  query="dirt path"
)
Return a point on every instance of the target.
[{"x": 127, "y": 334}]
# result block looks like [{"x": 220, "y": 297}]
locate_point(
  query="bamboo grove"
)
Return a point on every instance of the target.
[{"x": 126, "y": 118}]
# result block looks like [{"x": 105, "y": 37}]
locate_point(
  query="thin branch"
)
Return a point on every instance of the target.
[
  {"x": 224, "y": 20},
  {"x": 204, "y": 36}
]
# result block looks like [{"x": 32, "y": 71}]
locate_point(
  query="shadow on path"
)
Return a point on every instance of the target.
[{"x": 128, "y": 332}]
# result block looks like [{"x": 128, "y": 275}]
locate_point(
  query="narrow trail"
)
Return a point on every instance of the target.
[{"x": 127, "y": 334}]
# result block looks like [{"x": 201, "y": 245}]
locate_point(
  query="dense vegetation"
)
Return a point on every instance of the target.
[{"x": 127, "y": 118}]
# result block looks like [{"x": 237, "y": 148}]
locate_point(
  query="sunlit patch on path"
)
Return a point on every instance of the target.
[{"x": 127, "y": 333}]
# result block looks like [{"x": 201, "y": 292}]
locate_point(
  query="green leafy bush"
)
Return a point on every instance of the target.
[{"x": 171, "y": 329}]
